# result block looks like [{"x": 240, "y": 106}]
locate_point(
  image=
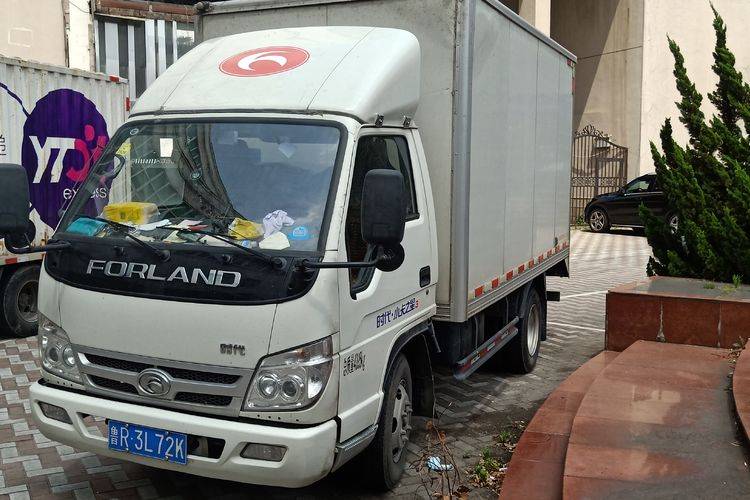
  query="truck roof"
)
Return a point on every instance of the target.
[{"x": 360, "y": 72}]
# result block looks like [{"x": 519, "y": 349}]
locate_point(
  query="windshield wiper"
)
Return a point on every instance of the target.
[
  {"x": 275, "y": 261},
  {"x": 124, "y": 230}
]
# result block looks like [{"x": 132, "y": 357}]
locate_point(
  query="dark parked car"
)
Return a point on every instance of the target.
[{"x": 621, "y": 207}]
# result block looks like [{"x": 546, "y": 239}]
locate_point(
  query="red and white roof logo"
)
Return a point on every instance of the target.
[{"x": 264, "y": 61}]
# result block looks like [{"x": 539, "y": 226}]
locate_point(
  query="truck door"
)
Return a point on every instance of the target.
[{"x": 376, "y": 305}]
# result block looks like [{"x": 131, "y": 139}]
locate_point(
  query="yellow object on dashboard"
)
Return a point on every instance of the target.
[
  {"x": 241, "y": 229},
  {"x": 133, "y": 211}
]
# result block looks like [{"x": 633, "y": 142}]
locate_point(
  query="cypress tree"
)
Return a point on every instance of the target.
[{"x": 707, "y": 182}]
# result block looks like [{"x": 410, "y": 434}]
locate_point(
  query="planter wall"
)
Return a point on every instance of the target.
[{"x": 677, "y": 310}]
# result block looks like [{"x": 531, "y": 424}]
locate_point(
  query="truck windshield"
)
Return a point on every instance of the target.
[{"x": 263, "y": 184}]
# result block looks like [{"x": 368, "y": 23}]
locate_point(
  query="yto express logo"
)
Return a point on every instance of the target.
[
  {"x": 62, "y": 139},
  {"x": 264, "y": 61}
]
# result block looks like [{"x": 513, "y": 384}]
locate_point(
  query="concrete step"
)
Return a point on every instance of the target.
[
  {"x": 536, "y": 469},
  {"x": 657, "y": 423},
  {"x": 741, "y": 391}
]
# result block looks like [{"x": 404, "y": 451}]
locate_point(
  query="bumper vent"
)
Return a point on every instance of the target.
[
  {"x": 113, "y": 385},
  {"x": 203, "y": 399}
]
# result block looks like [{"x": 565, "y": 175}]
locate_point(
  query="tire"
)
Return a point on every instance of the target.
[
  {"x": 385, "y": 458},
  {"x": 19, "y": 302},
  {"x": 522, "y": 352},
  {"x": 599, "y": 221}
]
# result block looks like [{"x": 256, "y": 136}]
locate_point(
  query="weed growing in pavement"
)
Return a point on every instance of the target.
[
  {"x": 736, "y": 280},
  {"x": 486, "y": 471},
  {"x": 736, "y": 350},
  {"x": 489, "y": 472},
  {"x": 709, "y": 286}
]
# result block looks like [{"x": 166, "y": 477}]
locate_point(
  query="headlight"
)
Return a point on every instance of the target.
[
  {"x": 58, "y": 356},
  {"x": 291, "y": 380}
]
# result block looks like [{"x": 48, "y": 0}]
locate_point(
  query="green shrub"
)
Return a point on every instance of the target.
[{"x": 706, "y": 182}]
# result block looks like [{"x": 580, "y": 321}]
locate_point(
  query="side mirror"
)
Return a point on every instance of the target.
[
  {"x": 14, "y": 193},
  {"x": 383, "y": 219},
  {"x": 383, "y": 208}
]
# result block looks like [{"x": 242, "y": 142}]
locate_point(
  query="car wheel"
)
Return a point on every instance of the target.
[
  {"x": 386, "y": 457},
  {"x": 674, "y": 222},
  {"x": 598, "y": 220}
]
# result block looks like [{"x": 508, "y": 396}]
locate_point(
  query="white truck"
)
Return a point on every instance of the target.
[
  {"x": 295, "y": 223},
  {"x": 55, "y": 121}
]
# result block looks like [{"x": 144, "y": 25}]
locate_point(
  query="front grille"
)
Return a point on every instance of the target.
[
  {"x": 113, "y": 385},
  {"x": 181, "y": 373},
  {"x": 117, "y": 364},
  {"x": 213, "y": 389},
  {"x": 211, "y": 378},
  {"x": 203, "y": 399}
]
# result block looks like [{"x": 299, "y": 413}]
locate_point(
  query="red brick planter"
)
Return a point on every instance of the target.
[{"x": 677, "y": 310}]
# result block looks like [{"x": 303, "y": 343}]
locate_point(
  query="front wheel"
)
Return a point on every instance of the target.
[
  {"x": 386, "y": 456},
  {"x": 598, "y": 221}
]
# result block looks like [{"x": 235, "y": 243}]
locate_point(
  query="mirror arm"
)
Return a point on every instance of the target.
[
  {"x": 52, "y": 245},
  {"x": 344, "y": 265},
  {"x": 338, "y": 265}
]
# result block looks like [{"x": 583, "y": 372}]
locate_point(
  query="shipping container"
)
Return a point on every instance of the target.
[{"x": 55, "y": 122}]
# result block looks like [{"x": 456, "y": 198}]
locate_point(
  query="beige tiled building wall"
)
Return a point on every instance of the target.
[
  {"x": 33, "y": 30},
  {"x": 689, "y": 23},
  {"x": 624, "y": 82}
]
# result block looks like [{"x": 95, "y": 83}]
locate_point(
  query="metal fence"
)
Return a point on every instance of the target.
[{"x": 598, "y": 166}]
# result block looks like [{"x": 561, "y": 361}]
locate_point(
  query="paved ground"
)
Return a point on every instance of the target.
[{"x": 472, "y": 412}]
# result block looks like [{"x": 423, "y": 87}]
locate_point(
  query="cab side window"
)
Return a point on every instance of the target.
[{"x": 373, "y": 152}]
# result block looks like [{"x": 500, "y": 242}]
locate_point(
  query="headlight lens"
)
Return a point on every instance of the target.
[
  {"x": 58, "y": 356},
  {"x": 291, "y": 380}
]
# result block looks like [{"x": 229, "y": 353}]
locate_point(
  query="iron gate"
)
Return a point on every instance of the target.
[{"x": 598, "y": 166}]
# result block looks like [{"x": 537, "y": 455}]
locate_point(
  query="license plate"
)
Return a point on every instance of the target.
[{"x": 147, "y": 442}]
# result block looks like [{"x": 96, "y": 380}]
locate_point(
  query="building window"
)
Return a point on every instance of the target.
[
  {"x": 185, "y": 38},
  {"x": 139, "y": 50}
]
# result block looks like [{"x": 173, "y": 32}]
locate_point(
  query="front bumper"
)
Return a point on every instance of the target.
[{"x": 309, "y": 456}]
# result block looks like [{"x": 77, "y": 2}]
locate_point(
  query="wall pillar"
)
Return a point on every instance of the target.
[
  {"x": 80, "y": 41},
  {"x": 537, "y": 13}
]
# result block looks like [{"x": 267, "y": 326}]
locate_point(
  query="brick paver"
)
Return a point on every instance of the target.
[{"x": 32, "y": 466}]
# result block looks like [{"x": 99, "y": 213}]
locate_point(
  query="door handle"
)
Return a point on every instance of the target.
[{"x": 424, "y": 276}]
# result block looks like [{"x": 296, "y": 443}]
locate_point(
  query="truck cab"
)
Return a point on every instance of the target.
[{"x": 197, "y": 297}]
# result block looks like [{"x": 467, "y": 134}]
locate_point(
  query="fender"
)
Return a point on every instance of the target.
[{"x": 414, "y": 344}]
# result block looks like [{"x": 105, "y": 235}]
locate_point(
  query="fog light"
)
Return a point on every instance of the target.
[
  {"x": 268, "y": 452},
  {"x": 55, "y": 413}
]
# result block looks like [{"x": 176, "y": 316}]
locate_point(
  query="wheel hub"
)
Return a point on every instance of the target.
[
  {"x": 597, "y": 220},
  {"x": 400, "y": 422},
  {"x": 533, "y": 327},
  {"x": 26, "y": 302}
]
